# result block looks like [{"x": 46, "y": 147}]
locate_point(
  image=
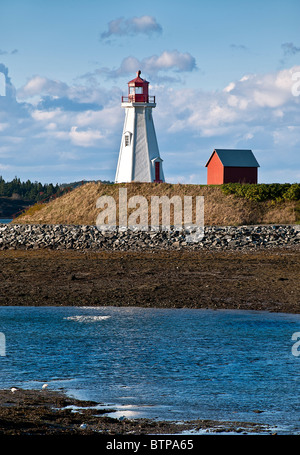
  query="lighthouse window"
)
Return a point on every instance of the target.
[
  {"x": 127, "y": 140},
  {"x": 131, "y": 90},
  {"x": 138, "y": 90}
]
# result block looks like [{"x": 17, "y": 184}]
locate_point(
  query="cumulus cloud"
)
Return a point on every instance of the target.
[
  {"x": 175, "y": 61},
  {"x": 253, "y": 100},
  {"x": 38, "y": 85},
  {"x": 62, "y": 140},
  {"x": 85, "y": 138},
  {"x": 48, "y": 94},
  {"x": 52, "y": 123},
  {"x": 258, "y": 112},
  {"x": 135, "y": 25}
]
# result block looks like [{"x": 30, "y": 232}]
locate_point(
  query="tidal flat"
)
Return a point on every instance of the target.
[{"x": 263, "y": 280}]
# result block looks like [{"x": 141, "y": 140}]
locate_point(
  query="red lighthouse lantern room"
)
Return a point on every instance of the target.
[{"x": 138, "y": 91}]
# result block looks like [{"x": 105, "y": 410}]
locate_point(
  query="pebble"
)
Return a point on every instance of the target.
[{"x": 42, "y": 236}]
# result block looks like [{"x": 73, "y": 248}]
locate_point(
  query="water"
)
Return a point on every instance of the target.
[
  {"x": 159, "y": 363},
  {"x": 5, "y": 220}
]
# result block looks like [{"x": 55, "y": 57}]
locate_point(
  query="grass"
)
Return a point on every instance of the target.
[
  {"x": 31, "y": 211},
  {"x": 79, "y": 206}
]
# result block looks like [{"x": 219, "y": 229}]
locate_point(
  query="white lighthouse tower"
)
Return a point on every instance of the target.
[{"x": 139, "y": 159}]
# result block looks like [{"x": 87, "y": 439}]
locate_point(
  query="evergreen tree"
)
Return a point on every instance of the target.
[{"x": 33, "y": 191}]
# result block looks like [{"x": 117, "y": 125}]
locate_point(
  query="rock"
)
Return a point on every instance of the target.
[{"x": 89, "y": 237}]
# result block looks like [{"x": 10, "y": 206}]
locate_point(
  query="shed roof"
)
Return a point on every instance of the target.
[{"x": 235, "y": 158}]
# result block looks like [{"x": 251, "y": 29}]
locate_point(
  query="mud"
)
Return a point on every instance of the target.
[
  {"x": 253, "y": 280},
  {"x": 46, "y": 412}
]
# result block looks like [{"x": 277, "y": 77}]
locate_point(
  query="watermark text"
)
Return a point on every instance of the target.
[
  {"x": 296, "y": 337},
  {"x": 296, "y": 85},
  {"x": 164, "y": 214},
  {"x": 2, "y": 84},
  {"x": 2, "y": 344}
]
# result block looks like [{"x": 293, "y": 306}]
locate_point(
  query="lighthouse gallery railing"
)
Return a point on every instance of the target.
[{"x": 138, "y": 99}]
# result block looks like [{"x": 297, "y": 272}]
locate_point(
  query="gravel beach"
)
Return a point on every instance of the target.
[{"x": 46, "y": 412}]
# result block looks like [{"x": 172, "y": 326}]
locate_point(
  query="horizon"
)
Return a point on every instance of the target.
[{"x": 225, "y": 75}]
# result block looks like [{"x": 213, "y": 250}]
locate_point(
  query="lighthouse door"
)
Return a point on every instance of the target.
[{"x": 157, "y": 171}]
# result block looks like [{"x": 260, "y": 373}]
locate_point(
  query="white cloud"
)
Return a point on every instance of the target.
[
  {"x": 167, "y": 61},
  {"x": 3, "y": 126},
  {"x": 229, "y": 87},
  {"x": 258, "y": 111},
  {"x": 170, "y": 60},
  {"x": 85, "y": 138},
  {"x": 132, "y": 26},
  {"x": 44, "y": 115},
  {"x": 38, "y": 85},
  {"x": 267, "y": 90}
]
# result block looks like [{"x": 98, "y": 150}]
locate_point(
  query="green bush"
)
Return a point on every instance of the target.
[
  {"x": 293, "y": 192},
  {"x": 263, "y": 191}
]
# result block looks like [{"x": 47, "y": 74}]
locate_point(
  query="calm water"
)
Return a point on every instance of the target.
[
  {"x": 5, "y": 220},
  {"x": 164, "y": 363}
]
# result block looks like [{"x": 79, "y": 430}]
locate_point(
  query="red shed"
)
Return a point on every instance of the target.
[{"x": 231, "y": 166}]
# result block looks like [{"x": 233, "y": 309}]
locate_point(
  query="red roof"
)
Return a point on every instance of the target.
[{"x": 138, "y": 79}]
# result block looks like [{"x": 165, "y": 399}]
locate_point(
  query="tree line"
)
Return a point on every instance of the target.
[{"x": 31, "y": 191}]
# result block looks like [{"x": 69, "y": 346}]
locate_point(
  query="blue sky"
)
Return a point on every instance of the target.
[{"x": 221, "y": 70}]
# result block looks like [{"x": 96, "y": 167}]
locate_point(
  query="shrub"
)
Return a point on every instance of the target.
[
  {"x": 293, "y": 192},
  {"x": 264, "y": 192}
]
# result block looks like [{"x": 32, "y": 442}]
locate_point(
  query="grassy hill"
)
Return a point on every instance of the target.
[{"x": 222, "y": 205}]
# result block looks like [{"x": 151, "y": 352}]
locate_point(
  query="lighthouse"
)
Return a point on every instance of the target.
[{"x": 139, "y": 159}]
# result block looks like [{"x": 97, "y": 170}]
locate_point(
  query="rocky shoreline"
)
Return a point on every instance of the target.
[
  {"x": 51, "y": 413},
  {"x": 77, "y": 237}
]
